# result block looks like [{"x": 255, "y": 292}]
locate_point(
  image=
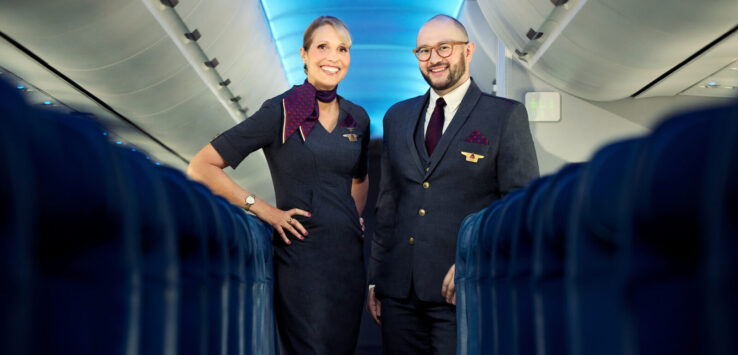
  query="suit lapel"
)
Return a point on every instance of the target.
[
  {"x": 409, "y": 131},
  {"x": 465, "y": 109}
]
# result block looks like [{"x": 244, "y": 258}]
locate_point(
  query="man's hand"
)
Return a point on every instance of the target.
[
  {"x": 449, "y": 289},
  {"x": 374, "y": 306}
]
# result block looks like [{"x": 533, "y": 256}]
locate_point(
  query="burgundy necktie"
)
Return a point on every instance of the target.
[{"x": 435, "y": 126}]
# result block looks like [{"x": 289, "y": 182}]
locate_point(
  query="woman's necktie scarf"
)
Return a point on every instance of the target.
[{"x": 301, "y": 109}]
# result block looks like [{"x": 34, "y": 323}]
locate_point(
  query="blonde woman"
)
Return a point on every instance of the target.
[{"x": 315, "y": 143}]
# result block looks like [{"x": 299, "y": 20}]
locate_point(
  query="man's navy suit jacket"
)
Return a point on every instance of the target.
[{"x": 416, "y": 246}]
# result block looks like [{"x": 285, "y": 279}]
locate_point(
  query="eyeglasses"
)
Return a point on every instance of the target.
[{"x": 444, "y": 50}]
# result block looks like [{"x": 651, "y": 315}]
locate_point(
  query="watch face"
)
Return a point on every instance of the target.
[{"x": 250, "y": 200}]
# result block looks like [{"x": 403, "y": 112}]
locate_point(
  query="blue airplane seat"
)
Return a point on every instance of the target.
[
  {"x": 593, "y": 244},
  {"x": 88, "y": 291},
  {"x": 192, "y": 245},
  {"x": 158, "y": 250},
  {"x": 248, "y": 279},
  {"x": 519, "y": 272},
  {"x": 465, "y": 268},
  {"x": 484, "y": 284},
  {"x": 17, "y": 223},
  {"x": 264, "y": 336},
  {"x": 549, "y": 253},
  {"x": 506, "y": 231},
  {"x": 661, "y": 265},
  {"x": 218, "y": 269},
  {"x": 236, "y": 275},
  {"x": 720, "y": 231}
]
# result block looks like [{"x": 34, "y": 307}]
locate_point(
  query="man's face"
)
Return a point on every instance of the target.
[{"x": 443, "y": 74}]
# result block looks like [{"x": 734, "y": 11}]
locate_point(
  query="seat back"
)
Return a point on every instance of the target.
[
  {"x": 549, "y": 254},
  {"x": 593, "y": 245},
  {"x": 720, "y": 238},
  {"x": 158, "y": 252},
  {"x": 465, "y": 268},
  {"x": 263, "y": 322},
  {"x": 192, "y": 249},
  {"x": 661, "y": 263},
  {"x": 218, "y": 269},
  {"x": 521, "y": 262},
  {"x": 486, "y": 284},
  {"x": 237, "y": 271},
  {"x": 17, "y": 222}
]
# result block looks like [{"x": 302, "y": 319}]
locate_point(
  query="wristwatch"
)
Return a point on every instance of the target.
[{"x": 250, "y": 199}]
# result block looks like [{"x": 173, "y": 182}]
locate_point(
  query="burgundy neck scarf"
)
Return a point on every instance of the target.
[{"x": 301, "y": 109}]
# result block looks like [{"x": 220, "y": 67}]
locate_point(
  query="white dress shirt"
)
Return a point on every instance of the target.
[{"x": 453, "y": 100}]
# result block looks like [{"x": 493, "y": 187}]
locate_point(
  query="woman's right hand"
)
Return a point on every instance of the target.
[{"x": 281, "y": 220}]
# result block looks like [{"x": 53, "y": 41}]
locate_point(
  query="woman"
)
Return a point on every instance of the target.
[{"x": 316, "y": 145}]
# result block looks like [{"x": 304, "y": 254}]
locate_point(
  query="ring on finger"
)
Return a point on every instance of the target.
[{"x": 289, "y": 220}]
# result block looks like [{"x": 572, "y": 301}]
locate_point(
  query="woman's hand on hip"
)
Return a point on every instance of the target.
[{"x": 281, "y": 220}]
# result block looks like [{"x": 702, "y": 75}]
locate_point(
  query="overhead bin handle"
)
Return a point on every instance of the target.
[
  {"x": 170, "y": 3},
  {"x": 212, "y": 63},
  {"x": 193, "y": 36},
  {"x": 533, "y": 34}
]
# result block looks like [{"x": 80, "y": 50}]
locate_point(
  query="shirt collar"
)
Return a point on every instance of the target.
[{"x": 454, "y": 97}]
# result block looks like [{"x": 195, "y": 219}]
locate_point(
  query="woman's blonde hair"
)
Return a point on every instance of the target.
[{"x": 338, "y": 25}]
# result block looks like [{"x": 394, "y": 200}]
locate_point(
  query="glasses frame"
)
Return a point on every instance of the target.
[{"x": 432, "y": 48}]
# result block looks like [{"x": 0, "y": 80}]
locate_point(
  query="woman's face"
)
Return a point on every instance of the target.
[{"x": 327, "y": 58}]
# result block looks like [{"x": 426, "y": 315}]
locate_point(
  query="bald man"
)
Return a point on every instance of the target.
[{"x": 445, "y": 154}]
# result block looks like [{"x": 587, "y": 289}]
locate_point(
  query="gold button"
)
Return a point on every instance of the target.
[
  {"x": 426, "y": 185},
  {"x": 421, "y": 212},
  {"x": 427, "y": 168},
  {"x": 412, "y": 240}
]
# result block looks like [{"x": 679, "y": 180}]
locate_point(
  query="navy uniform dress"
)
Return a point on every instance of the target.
[{"x": 319, "y": 292}]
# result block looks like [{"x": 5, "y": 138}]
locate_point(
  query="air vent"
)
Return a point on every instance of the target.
[
  {"x": 533, "y": 35},
  {"x": 212, "y": 63},
  {"x": 193, "y": 36},
  {"x": 170, "y": 3}
]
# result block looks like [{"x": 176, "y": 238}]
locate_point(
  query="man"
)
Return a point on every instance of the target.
[{"x": 445, "y": 155}]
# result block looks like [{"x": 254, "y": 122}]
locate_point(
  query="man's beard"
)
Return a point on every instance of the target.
[{"x": 454, "y": 75}]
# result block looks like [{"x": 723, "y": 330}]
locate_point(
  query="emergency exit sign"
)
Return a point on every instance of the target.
[{"x": 543, "y": 106}]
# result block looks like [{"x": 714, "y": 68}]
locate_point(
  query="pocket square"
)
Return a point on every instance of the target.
[{"x": 477, "y": 137}]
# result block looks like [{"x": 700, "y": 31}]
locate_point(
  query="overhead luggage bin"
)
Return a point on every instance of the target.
[{"x": 609, "y": 50}]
